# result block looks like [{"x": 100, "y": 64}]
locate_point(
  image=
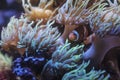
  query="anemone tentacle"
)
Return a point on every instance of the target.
[
  {"x": 9, "y": 35},
  {"x": 81, "y": 74},
  {"x": 44, "y": 10},
  {"x": 75, "y": 13},
  {"x": 63, "y": 60},
  {"x": 106, "y": 22},
  {"x": 41, "y": 37}
]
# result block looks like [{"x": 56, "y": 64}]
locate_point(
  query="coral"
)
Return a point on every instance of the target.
[
  {"x": 27, "y": 68},
  {"x": 22, "y": 72},
  {"x": 63, "y": 60},
  {"x": 81, "y": 74},
  {"x": 43, "y": 11}
]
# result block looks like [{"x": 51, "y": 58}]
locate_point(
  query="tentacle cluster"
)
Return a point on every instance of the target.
[
  {"x": 75, "y": 13},
  {"x": 81, "y": 74},
  {"x": 106, "y": 21},
  {"x": 9, "y": 35},
  {"x": 39, "y": 38},
  {"x": 25, "y": 37},
  {"x": 44, "y": 10},
  {"x": 63, "y": 60}
]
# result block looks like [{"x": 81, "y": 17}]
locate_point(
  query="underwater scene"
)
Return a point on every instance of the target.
[{"x": 59, "y": 39}]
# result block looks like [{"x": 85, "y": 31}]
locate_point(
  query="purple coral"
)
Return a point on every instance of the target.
[{"x": 30, "y": 66}]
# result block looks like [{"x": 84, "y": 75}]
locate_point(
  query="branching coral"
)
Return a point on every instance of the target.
[
  {"x": 40, "y": 38},
  {"x": 74, "y": 14},
  {"x": 43, "y": 11},
  {"x": 106, "y": 21},
  {"x": 63, "y": 60},
  {"x": 81, "y": 74}
]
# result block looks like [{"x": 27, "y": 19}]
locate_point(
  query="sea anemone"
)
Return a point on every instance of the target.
[
  {"x": 106, "y": 22},
  {"x": 44, "y": 10},
  {"x": 74, "y": 14},
  {"x": 81, "y": 74},
  {"x": 63, "y": 60},
  {"x": 29, "y": 67},
  {"x": 9, "y": 35},
  {"x": 38, "y": 42},
  {"x": 40, "y": 38},
  {"x": 106, "y": 26}
]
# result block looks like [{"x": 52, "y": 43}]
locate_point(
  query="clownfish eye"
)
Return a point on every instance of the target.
[{"x": 74, "y": 36}]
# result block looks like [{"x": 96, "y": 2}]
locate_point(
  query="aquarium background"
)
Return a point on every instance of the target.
[{"x": 59, "y": 40}]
